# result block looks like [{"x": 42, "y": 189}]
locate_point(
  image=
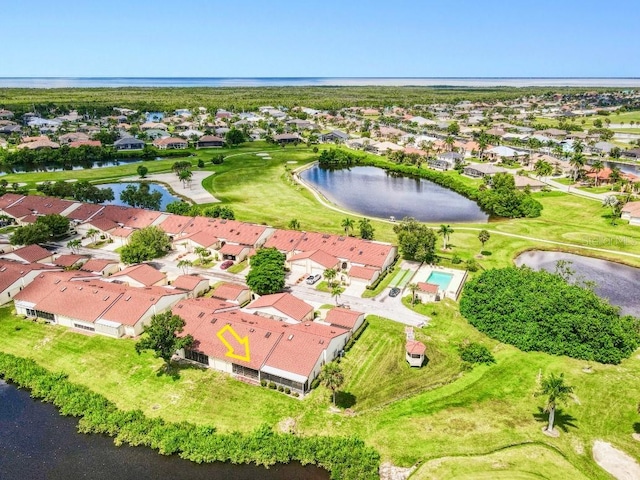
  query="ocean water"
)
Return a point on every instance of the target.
[{"x": 88, "y": 82}]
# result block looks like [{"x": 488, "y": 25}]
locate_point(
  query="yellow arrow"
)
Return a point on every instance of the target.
[{"x": 241, "y": 342}]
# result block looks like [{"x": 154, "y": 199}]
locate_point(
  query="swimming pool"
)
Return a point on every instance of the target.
[{"x": 441, "y": 279}]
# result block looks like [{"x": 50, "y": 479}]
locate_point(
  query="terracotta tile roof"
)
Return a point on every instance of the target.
[
  {"x": 428, "y": 287},
  {"x": 318, "y": 256},
  {"x": 174, "y": 224},
  {"x": 81, "y": 300},
  {"x": 143, "y": 273},
  {"x": 17, "y": 211},
  {"x": 297, "y": 352},
  {"x": 9, "y": 199},
  {"x": 189, "y": 282},
  {"x": 68, "y": 260},
  {"x": 355, "y": 250},
  {"x": 168, "y": 141},
  {"x": 45, "y": 205},
  {"x": 102, "y": 224},
  {"x": 229, "y": 291},
  {"x": 204, "y": 238},
  {"x": 284, "y": 240},
  {"x": 11, "y": 271},
  {"x": 204, "y": 326},
  {"x": 32, "y": 253},
  {"x": 85, "y": 211},
  {"x": 89, "y": 143},
  {"x": 231, "y": 249},
  {"x": 284, "y": 302},
  {"x": 228, "y": 230},
  {"x": 343, "y": 317},
  {"x": 134, "y": 303},
  {"x": 122, "y": 232},
  {"x": 365, "y": 273},
  {"x": 97, "y": 264},
  {"x": 632, "y": 207},
  {"x": 415, "y": 347}
]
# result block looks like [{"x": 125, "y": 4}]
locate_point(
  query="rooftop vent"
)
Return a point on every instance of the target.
[
  {"x": 201, "y": 314},
  {"x": 290, "y": 337},
  {"x": 267, "y": 335}
]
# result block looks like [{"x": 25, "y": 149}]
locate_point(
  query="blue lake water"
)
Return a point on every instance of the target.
[
  {"x": 372, "y": 191},
  {"x": 37, "y": 443},
  {"x": 618, "y": 283},
  {"x": 118, "y": 188},
  {"x": 57, "y": 168},
  {"x": 88, "y": 82}
]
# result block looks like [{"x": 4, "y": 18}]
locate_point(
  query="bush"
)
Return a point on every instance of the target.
[
  {"x": 200, "y": 163},
  {"x": 476, "y": 353},
  {"x": 280, "y": 388},
  {"x": 296, "y": 394},
  {"x": 263, "y": 382},
  {"x": 541, "y": 311},
  {"x": 472, "y": 265},
  {"x": 272, "y": 385},
  {"x": 456, "y": 259},
  {"x": 287, "y": 390}
]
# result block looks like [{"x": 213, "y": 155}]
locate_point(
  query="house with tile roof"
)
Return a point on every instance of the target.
[
  {"x": 141, "y": 275},
  {"x": 233, "y": 293},
  {"x": 193, "y": 284},
  {"x": 345, "y": 318},
  {"x": 93, "y": 305},
  {"x": 631, "y": 212},
  {"x": 14, "y": 276},
  {"x": 101, "y": 266},
  {"x": 281, "y": 306},
  {"x": 29, "y": 254},
  {"x": 290, "y": 355}
]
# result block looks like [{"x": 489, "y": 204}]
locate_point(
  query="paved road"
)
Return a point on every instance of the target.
[
  {"x": 382, "y": 305},
  {"x": 572, "y": 190}
]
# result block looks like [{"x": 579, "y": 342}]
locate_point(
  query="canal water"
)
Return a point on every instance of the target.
[
  {"x": 374, "y": 192},
  {"x": 37, "y": 443},
  {"x": 618, "y": 283}
]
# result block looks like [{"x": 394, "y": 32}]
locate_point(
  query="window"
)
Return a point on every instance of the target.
[
  {"x": 196, "y": 356},
  {"x": 44, "y": 315},
  {"x": 84, "y": 327},
  {"x": 245, "y": 371}
]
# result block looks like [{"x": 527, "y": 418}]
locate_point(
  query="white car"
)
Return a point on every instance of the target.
[{"x": 311, "y": 279}]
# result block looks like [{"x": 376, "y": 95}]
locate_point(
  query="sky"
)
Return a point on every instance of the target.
[{"x": 308, "y": 38}]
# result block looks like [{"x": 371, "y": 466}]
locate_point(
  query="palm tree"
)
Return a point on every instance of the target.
[
  {"x": 445, "y": 231},
  {"x": 612, "y": 202},
  {"x": 577, "y": 162},
  {"x": 332, "y": 377},
  {"x": 557, "y": 392},
  {"x": 348, "y": 225},
  {"x": 413, "y": 288},
  {"x": 330, "y": 275},
  {"x": 74, "y": 245},
  {"x": 616, "y": 175},
  {"x": 543, "y": 169},
  {"x": 203, "y": 253},
  {"x": 484, "y": 237},
  {"x": 92, "y": 233},
  {"x": 185, "y": 265},
  {"x": 483, "y": 143},
  {"x": 449, "y": 141},
  {"x": 336, "y": 291},
  {"x": 597, "y": 167}
]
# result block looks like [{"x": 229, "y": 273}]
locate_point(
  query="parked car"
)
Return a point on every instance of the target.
[
  {"x": 311, "y": 279},
  {"x": 395, "y": 291},
  {"x": 226, "y": 264}
]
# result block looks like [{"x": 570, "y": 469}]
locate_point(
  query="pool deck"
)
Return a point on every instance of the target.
[{"x": 455, "y": 286}]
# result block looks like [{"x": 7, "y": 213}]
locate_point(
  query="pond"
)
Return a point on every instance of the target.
[
  {"x": 36, "y": 442},
  {"x": 58, "y": 168},
  {"x": 374, "y": 192},
  {"x": 118, "y": 188},
  {"x": 618, "y": 283}
]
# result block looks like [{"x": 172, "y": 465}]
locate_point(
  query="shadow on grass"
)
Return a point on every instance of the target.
[
  {"x": 172, "y": 371},
  {"x": 345, "y": 399},
  {"x": 636, "y": 427},
  {"x": 563, "y": 420}
]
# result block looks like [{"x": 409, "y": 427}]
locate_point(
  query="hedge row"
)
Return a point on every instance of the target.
[{"x": 344, "y": 457}]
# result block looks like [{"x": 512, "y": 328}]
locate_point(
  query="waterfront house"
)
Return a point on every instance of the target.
[
  {"x": 480, "y": 170},
  {"x": 128, "y": 143},
  {"x": 210, "y": 141},
  {"x": 170, "y": 143}
]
